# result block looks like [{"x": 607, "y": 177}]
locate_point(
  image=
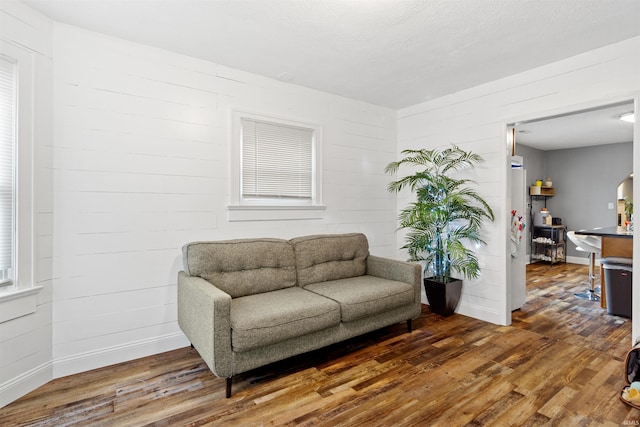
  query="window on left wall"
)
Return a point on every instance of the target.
[
  {"x": 17, "y": 220},
  {"x": 8, "y": 122}
]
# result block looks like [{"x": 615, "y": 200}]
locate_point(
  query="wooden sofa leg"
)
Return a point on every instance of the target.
[
  {"x": 228, "y": 393},
  {"x": 409, "y": 326}
]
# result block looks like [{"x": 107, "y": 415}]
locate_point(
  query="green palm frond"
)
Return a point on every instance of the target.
[{"x": 447, "y": 213}]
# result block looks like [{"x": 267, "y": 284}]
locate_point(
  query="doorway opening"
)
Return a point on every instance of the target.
[{"x": 583, "y": 155}]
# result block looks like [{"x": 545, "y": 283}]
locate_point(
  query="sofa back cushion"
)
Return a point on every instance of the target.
[
  {"x": 244, "y": 266},
  {"x": 327, "y": 257}
]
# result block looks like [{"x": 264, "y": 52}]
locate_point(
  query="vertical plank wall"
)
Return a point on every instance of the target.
[
  {"x": 141, "y": 166},
  {"x": 26, "y": 341},
  {"x": 476, "y": 119}
]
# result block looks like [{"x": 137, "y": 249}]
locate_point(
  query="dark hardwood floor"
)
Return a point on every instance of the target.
[{"x": 559, "y": 363}]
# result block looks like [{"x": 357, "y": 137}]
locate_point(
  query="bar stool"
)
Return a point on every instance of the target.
[{"x": 592, "y": 245}]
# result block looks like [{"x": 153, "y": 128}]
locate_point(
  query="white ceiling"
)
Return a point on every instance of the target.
[
  {"x": 586, "y": 128},
  {"x": 393, "y": 53}
]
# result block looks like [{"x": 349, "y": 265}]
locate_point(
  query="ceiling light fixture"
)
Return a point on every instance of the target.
[{"x": 628, "y": 117}]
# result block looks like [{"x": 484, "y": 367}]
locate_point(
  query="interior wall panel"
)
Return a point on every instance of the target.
[
  {"x": 476, "y": 119},
  {"x": 26, "y": 342},
  {"x": 141, "y": 167}
]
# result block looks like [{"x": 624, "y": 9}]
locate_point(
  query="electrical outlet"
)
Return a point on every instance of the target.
[{"x": 610, "y": 205}]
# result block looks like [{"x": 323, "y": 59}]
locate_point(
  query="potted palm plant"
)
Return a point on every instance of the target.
[{"x": 446, "y": 216}]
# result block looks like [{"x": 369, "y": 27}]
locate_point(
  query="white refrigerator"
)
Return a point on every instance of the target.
[{"x": 518, "y": 233}]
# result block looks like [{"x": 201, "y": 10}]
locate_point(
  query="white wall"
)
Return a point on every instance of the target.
[
  {"x": 582, "y": 197},
  {"x": 26, "y": 341},
  {"x": 476, "y": 119},
  {"x": 141, "y": 166}
]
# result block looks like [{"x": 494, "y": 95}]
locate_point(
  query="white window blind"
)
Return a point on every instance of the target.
[
  {"x": 8, "y": 107},
  {"x": 277, "y": 161}
]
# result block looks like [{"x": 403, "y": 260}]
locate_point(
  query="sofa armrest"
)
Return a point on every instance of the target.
[
  {"x": 204, "y": 315},
  {"x": 401, "y": 271}
]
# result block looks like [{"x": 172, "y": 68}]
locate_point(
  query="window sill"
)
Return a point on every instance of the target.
[
  {"x": 274, "y": 213},
  {"x": 16, "y": 303}
]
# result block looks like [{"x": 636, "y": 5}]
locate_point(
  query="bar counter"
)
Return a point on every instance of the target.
[
  {"x": 616, "y": 241},
  {"x": 608, "y": 232}
]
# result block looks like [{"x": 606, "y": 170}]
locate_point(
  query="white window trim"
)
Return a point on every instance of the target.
[
  {"x": 272, "y": 210},
  {"x": 19, "y": 298},
  {"x": 9, "y": 109}
]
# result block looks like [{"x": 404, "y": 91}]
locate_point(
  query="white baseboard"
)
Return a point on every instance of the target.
[
  {"x": 575, "y": 260},
  {"x": 100, "y": 358},
  {"x": 481, "y": 313},
  {"x": 581, "y": 260},
  {"x": 474, "y": 311},
  {"x": 17, "y": 387}
]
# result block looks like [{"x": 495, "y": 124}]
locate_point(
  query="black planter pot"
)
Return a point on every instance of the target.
[{"x": 443, "y": 297}]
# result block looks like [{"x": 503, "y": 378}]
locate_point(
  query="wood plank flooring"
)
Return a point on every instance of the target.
[{"x": 559, "y": 363}]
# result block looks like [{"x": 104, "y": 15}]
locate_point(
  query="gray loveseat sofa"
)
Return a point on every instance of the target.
[{"x": 247, "y": 303}]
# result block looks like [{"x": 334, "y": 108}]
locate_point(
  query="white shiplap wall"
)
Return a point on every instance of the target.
[
  {"x": 26, "y": 341},
  {"x": 476, "y": 119},
  {"x": 141, "y": 166}
]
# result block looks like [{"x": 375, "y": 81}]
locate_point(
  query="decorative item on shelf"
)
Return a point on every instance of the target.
[
  {"x": 446, "y": 215},
  {"x": 540, "y": 218},
  {"x": 548, "y": 182},
  {"x": 544, "y": 240},
  {"x": 538, "y": 183}
]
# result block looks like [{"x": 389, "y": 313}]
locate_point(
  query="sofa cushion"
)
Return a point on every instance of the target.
[
  {"x": 267, "y": 318},
  {"x": 327, "y": 257},
  {"x": 364, "y": 296},
  {"x": 244, "y": 266}
]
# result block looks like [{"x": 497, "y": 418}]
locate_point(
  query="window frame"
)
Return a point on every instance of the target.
[
  {"x": 24, "y": 245},
  {"x": 244, "y": 209},
  {"x": 11, "y": 279}
]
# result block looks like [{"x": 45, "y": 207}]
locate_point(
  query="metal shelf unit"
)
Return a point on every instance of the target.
[{"x": 549, "y": 243}]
